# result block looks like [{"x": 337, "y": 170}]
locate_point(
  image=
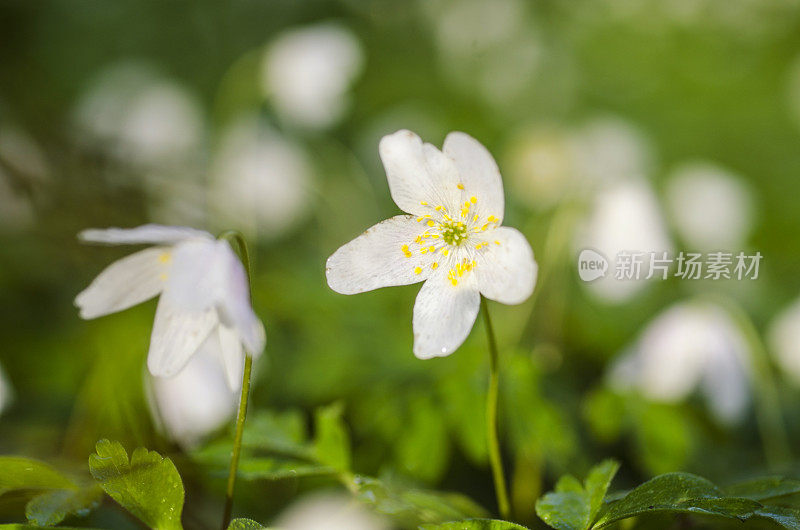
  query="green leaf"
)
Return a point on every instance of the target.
[
  {"x": 664, "y": 492},
  {"x": 331, "y": 443},
  {"x": 423, "y": 447},
  {"x": 245, "y": 524},
  {"x": 18, "y": 473},
  {"x": 267, "y": 468},
  {"x": 52, "y": 507},
  {"x": 474, "y": 524},
  {"x": 15, "y": 526},
  {"x": 597, "y": 484},
  {"x": 279, "y": 432},
  {"x": 565, "y": 510},
  {"x": 574, "y": 506},
  {"x": 148, "y": 485},
  {"x": 411, "y": 507},
  {"x": 764, "y": 488}
]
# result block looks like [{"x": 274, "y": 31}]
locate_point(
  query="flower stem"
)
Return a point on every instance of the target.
[
  {"x": 233, "y": 235},
  {"x": 495, "y": 458},
  {"x": 237, "y": 441}
]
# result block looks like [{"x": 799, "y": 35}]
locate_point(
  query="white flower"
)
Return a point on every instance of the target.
[
  {"x": 624, "y": 217},
  {"x": 784, "y": 340},
  {"x": 711, "y": 208},
  {"x": 689, "y": 345},
  {"x": 452, "y": 240},
  {"x": 307, "y": 72},
  {"x": 203, "y": 288},
  {"x": 198, "y": 400},
  {"x": 261, "y": 180},
  {"x": 322, "y": 511}
]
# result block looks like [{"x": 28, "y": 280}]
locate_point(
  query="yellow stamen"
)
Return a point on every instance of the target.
[
  {"x": 460, "y": 186},
  {"x": 434, "y": 265},
  {"x": 473, "y": 199},
  {"x": 417, "y": 270},
  {"x": 431, "y": 223}
]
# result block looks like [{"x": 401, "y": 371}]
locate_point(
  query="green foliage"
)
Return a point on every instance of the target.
[
  {"x": 18, "y": 473},
  {"x": 52, "y": 507},
  {"x": 574, "y": 506},
  {"x": 332, "y": 443},
  {"x": 245, "y": 524},
  {"x": 148, "y": 485},
  {"x": 474, "y": 524},
  {"x": 62, "y": 496},
  {"x": 411, "y": 507}
]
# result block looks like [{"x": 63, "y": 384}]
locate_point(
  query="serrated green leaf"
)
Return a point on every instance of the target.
[
  {"x": 474, "y": 524},
  {"x": 52, "y": 507},
  {"x": 565, "y": 510},
  {"x": 597, "y": 483},
  {"x": 26, "y": 473},
  {"x": 412, "y": 507},
  {"x": 331, "y": 441},
  {"x": 245, "y": 524},
  {"x": 764, "y": 488},
  {"x": 148, "y": 485}
]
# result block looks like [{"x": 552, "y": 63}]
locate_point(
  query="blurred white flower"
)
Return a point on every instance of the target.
[
  {"x": 452, "y": 240},
  {"x": 623, "y": 217},
  {"x": 607, "y": 150},
  {"x": 541, "y": 166},
  {"x": 204, "y": 291},
  {"x": 197, "y": 401},
  {"x": 21, "y": 154},
  {"x": 783, "y": 338},
  {"x": 322, "y": 511},
  {"x": 491, "y": 46},
  {"x": 139, "y": 117},
  {"x": 23, "y": 172},
  {"x": 711, "y": 208},
  {"x": 689, "y": 346},
  {"x": 307, "y": 73},
  {"x": 261, "y": 181}
]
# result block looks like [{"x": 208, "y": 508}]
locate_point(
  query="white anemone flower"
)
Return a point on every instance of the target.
[
  {"x": 204, "y": 292},
  {"x": 324, "y": 511},
  {"x": 307, "y": 72},
  {"x": 689, "y": 346},
  {"x": 451, "y": 239},
  {"x": 784, "y": 340},
  {"x": 197, "y": 401}
]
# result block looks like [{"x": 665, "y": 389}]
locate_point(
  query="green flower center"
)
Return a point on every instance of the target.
[{"x": 453, "y": 232}]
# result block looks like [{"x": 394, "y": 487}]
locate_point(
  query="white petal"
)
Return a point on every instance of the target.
[
  {"x": 197, "y": 401},
  {"x": 376, "y": 258},
  {"x": 234, "y": 307},
  {"x": 154, "y": 234},
  {"x": 125, "y": 283},
  {"x": 177, "y": 334},
  {"x": 506, "y": 272},
  {"x": 478, "y": 173},
  {"x": 197, "y": 279},
  {"x": 232, "y": 355},
  {"x": 443, "y": 316},
  {"x": 418, "y": 173}
]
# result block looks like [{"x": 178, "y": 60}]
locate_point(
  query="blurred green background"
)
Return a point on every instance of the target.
[{"x": 616, "y": 124}]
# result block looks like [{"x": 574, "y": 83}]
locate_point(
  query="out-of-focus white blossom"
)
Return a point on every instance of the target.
[
  {"x": 22, "y": 155},
  {"x": 24, "y": 172},
  {"x": 783, "y": 338},
  {"x": 689, "y": 346},
  {"x": 711, "y": 208},
  {"x": 197, "y": 401},
  {"x": 261, "y": 181},
  {"x": 307, "y": 72},
  {"x": 541, "y": 167},
  {"x": 322, "y": 511},
  {"x": 139, "y": 117},
  {"x": 608, "y": 150},
  {"x": 16, "y": 209},
  {"x": 623, "y": 217},
  {"x": 489, "y": 46}
]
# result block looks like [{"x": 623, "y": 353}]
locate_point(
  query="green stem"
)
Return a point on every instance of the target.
[
  {"x": 495, "y": 458},
  {"x": 232, "y": 235}
]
